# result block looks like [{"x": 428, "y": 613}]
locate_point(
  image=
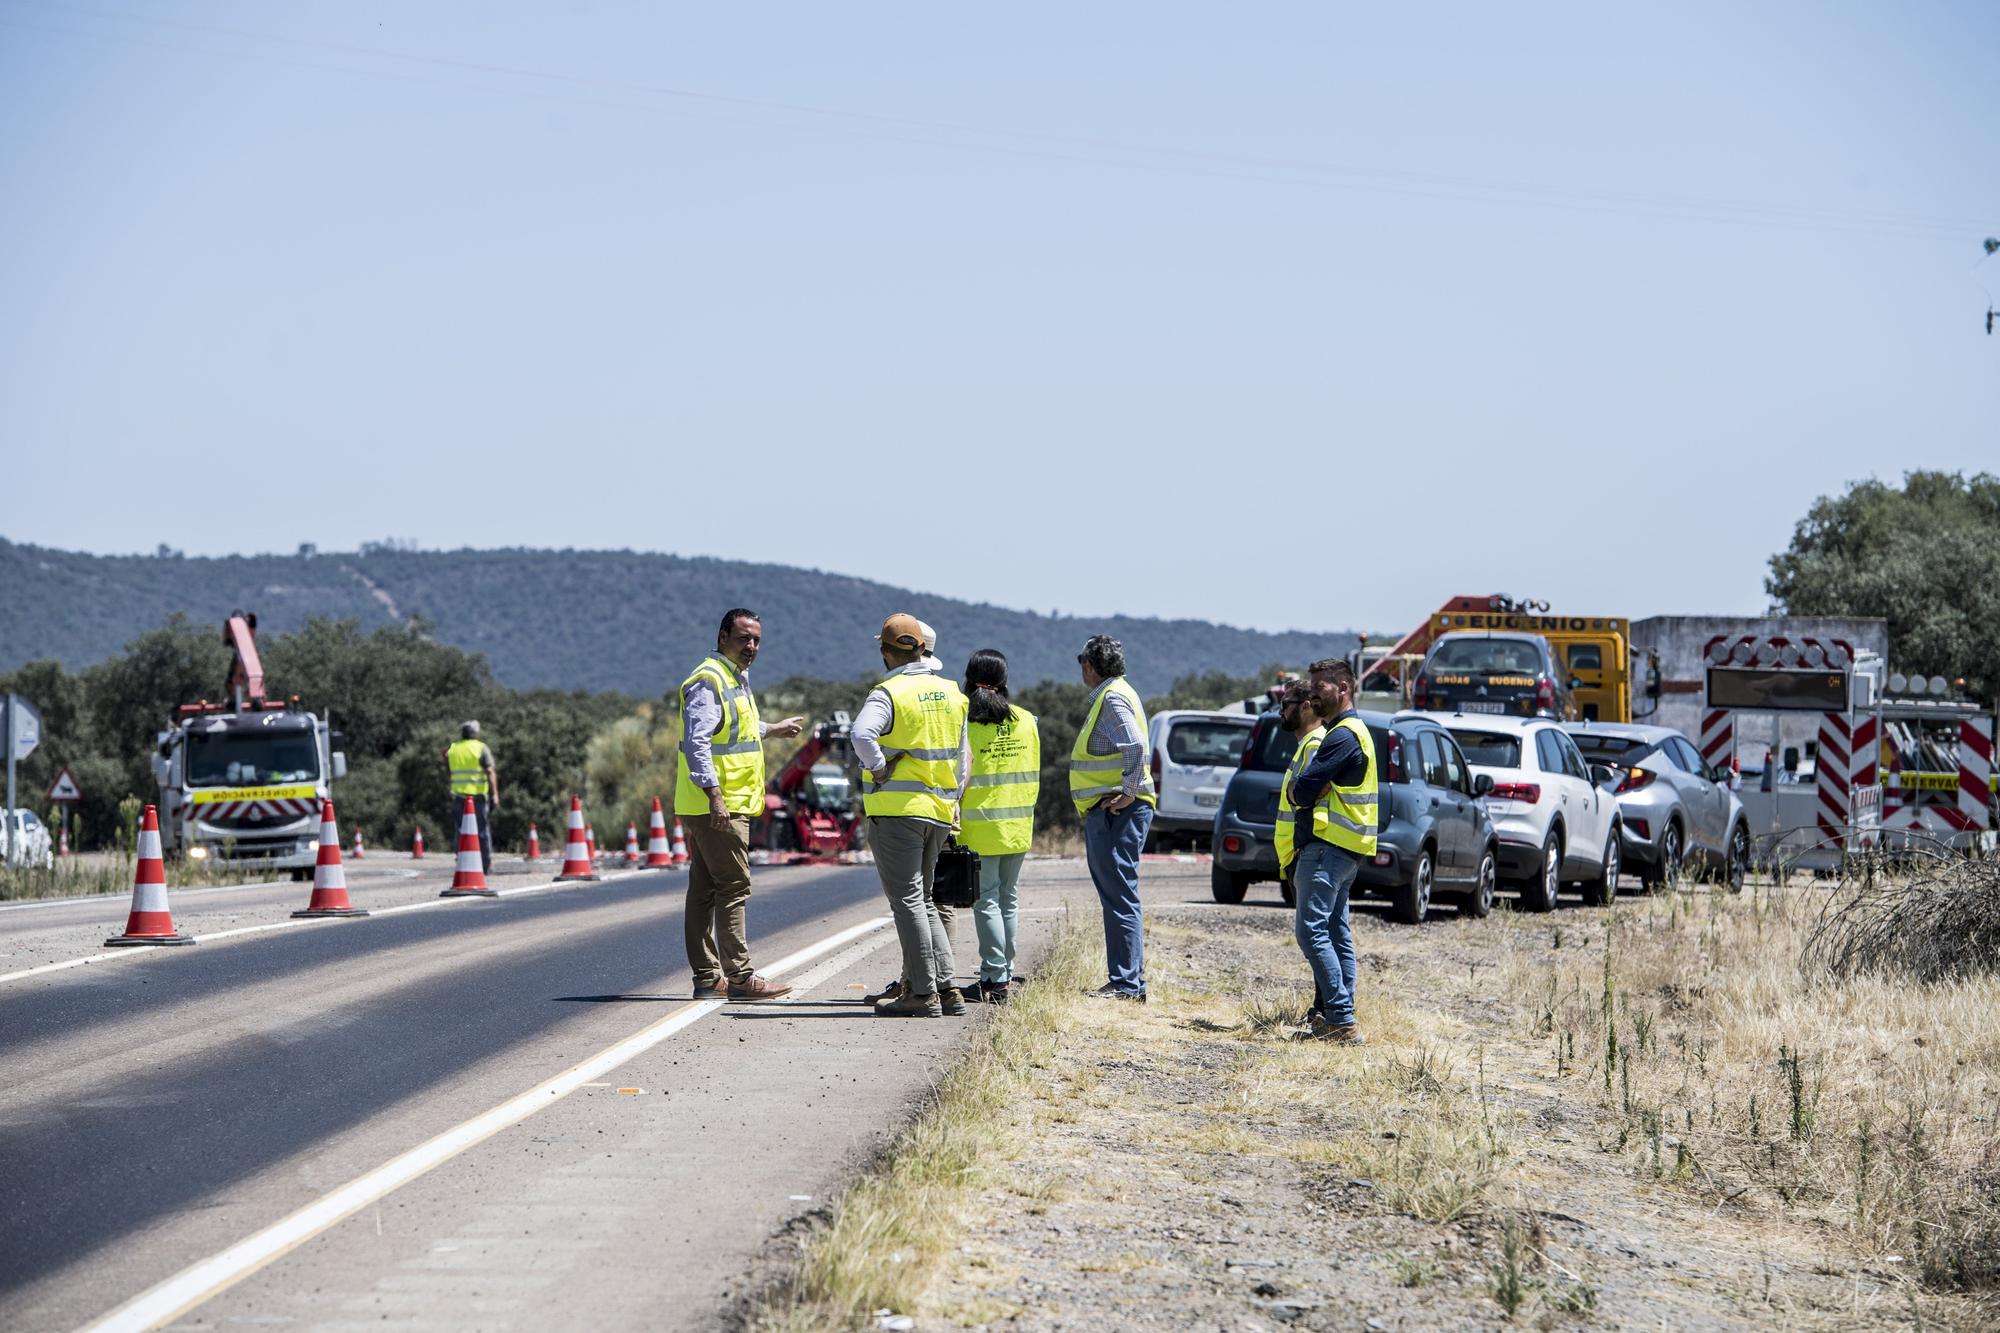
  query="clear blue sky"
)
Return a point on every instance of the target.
[{"x": 1286, "y": 315}]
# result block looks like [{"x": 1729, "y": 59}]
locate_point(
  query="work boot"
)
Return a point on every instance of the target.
[
  {"x": 717, "y": 989},
  {"x": 1345, "y": 1035},
  {"x": 909, "y": 1005},
  {"x": 1316, "y": 1028},
  {"x": 1110, "y": 992},
  {"x": 951, "y": 1001},
  {"x": 888, "y": 992},
  {"x": 992, "y": 992},
  {"x": 756, "y": 988}
]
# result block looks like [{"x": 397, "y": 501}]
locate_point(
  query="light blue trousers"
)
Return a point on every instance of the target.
[{"x": 997, "y": 913}]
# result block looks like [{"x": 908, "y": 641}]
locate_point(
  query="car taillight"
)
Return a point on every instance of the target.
[
  {"x": 1420, "y": 692},
  {"x": 1635, "y": 779},
  {"x": 1545, "y": 694},
  {"x": 1640, "y": 829},
  {"x": 1395, "y": 773},
  {"x": 1231, "y": 843},
  {"x": 1526, "y": 792}
]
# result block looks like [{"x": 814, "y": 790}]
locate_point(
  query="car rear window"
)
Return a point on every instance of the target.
[
  {"x": 1599, "y": 748},
  {"x": 1494, "y": 749},
  {"x": 1271, "y": 746},
  {"x": 1515, "y": 655},
  {"x": 1208, "y": 742}
]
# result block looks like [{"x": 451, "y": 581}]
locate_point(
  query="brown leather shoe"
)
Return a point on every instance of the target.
[
  {"x": 889, "y": 992},
  {"x": 717, "y": 989},
  {"x": 757, "y": 989},
  {"x": 950, "y": 1001}
]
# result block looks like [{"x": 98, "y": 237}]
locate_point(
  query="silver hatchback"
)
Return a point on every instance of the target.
[{"x": 1677, "y": 814}]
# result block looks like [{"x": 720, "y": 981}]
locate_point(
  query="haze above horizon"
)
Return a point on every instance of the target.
[{"x": 1308, "y": 320}]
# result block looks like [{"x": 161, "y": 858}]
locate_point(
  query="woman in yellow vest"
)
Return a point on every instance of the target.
[{"x": 998, "y": 817}]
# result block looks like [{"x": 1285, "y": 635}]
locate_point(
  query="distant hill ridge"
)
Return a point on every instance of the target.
[{"x": 582, "y": 619}]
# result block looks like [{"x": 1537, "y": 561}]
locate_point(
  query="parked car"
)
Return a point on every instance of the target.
[
  {"x": 1434, "y": 840},
  {"x": 1194, "y": 756},
  {"x": 1475, "y": 671},
  {"x": 1675, "y": 810},
  {"x": 1556, "y": 823},
  {"x": 24, "y": 840}
]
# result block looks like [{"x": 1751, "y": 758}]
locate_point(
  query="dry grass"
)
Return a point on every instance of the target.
[
  {"x": 1715, "y": 1063},
  {"x": 892, "y": 1230},
  {"x": 109, "y": 873}
]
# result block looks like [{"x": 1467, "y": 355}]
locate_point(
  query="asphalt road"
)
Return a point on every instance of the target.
[{"x": 158, "y": 1110}]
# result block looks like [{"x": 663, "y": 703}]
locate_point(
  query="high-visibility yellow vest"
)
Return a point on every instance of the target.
[
  {"x": 926, "y": 725},
  {"x": 1092, "y": 777},
  {"x": 467, "y": 759},
  {"x": 736, "y": 747},
  {"x": 1346, "y": 816},
  {"x": 999, "y": 813},
  {"x": 1286, "y": 831}
]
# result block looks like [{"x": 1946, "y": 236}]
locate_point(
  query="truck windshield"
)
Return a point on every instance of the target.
[
  {"x": 225, "y": 759},
  {"x": 1515, "y": 655}
]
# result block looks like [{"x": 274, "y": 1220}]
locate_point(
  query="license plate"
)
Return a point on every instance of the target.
[
  {"x": 1483, "y": 706},
  {"x": 1206, "y": 800}
]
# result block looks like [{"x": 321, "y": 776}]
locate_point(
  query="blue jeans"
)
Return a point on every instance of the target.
[
  {"x": 997, "y": 913},
  {"x": 1324, "y": 878},
  {"x": 1111, "y": 845}
]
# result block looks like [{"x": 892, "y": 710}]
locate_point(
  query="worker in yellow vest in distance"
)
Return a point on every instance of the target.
[
  {"x": 1111, "y": 781},
  {"x": 910, "y": 739},
  {"x": 1335, "y": 798},
  {"x": 998, "y": 817},
  {"x": 1297, "y": 717},
  {"x": 473, "y": 774},
  {"x": 718, "y": 786}
]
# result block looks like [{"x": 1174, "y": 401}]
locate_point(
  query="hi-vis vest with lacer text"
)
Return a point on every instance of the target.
[
  {"x": 1346, "y": 816},
  {"x": 1092, "y": 777},
  {"x": 1286, "y": 833},
  {"x": 926, "y": 725},
  {"x": 736, "y": 747},
  {"x": 998, "y": 817}
]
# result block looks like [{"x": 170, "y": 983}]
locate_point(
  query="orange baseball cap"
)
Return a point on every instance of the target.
[{"x": 902, "y": 630}]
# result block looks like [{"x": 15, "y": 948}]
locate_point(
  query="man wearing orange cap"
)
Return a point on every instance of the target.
[{"x": 915, "y": 753}]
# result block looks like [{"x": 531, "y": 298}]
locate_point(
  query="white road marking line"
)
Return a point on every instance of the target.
[
  {"x": 203, "y": 1280},
  {"x": 832, "y": 967},
  {"x": 290, "y": 922},
  {"x": 93, "y": 899}
]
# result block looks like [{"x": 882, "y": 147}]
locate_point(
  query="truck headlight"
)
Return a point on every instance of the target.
[{"x": 197, "y": 853}]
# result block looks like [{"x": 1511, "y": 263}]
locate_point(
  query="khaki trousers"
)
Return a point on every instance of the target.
[{"x": 718, "y": 946}]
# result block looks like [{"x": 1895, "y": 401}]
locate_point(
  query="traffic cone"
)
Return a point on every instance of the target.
[
  {"x": 329, "y": 895},
  {"x": 151, "y": 921},
  {"x": 657, "y": 854},
  {"x": 534, "y": 844},
  {"x": 468, "y": 880},
  {"x": 631, "y": 844},
  {"x": 62, "y": 839},
  {"x": 680, "y": 845},
  {"x": 359, "y": 851},
  {"x": 576, "y": 854},
  {"x": 590, "y": 843},
  {"x": 417, "y": 844}
]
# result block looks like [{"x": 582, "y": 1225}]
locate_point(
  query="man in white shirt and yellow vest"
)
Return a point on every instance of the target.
[
  {"x": 473, "y": 774},
  {"x": 1335, "y": 799},
  {"x": 910, "y": 738},
  {"x": 719, "y": 785},
  {"x": 1111, "y": 781}
]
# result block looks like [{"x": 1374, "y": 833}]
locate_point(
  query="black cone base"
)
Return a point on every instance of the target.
[
  {"x": 331, "y": 911},
  {"x": 470, "y": 893},
  {"x": 126, "y": 941}
]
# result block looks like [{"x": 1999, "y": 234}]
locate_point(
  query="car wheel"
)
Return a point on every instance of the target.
[
  {"x": 1673, "y": 852},
  {"x": 1539, "y": 893},
  {"x": 1738, "y": 868},
  {"x": 1479, "y": 900},
  {"x": 1603, "y": 891},
  {"x": 1227, "y": 885},
  {"x": 1412, "y": 901}
]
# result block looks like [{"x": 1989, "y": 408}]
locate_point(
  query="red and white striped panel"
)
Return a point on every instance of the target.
[
  {"x": 1864, "y": 753},
  {"x": 1830, "y": 775},
  {"x": 268, "y": 809},
  {"x": 1975, "y": 772},
  {"x": 1717, "y": 741}
]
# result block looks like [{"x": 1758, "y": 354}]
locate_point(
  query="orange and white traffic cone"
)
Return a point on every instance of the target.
[
  {"x": 468, "y": 878},
  {"x": 417, "y": 844},
  {"x": 680, "y": 845},
  {"x": 151, "y": 921},
  {"x": 534, "y": 844},
  {"x": 576, "y": 853},
  {"x": 329, "y": 895},
  {"x": 590, "y": 842},
  {"x": 657, "y": 854},
  {"x": 632, "y": 857},
  {"x": 360, "y": 852},
  {"x": 62, "y": 839}
]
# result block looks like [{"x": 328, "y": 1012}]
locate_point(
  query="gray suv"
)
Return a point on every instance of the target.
[
  {"x": 1435, "y": 839},
  {"x": 1676, "y": 812}
]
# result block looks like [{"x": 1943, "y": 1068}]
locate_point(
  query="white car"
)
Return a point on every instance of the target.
[
  {"x": 1194, "y": 755},
  {"x": 29, "y": 843},
  {"x": 1555, "y": 822}
]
